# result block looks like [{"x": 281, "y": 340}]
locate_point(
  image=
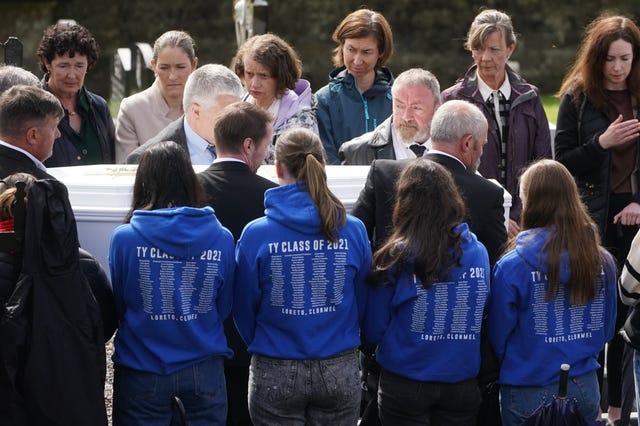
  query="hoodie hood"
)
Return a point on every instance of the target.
[
  {"x": 294, "y": 101},
  {"x": 339, "y": 77},
  {"x": 292, "y": 207},
  {"x": 529, "y": 246},
  {"x": 181, "y": 232}
]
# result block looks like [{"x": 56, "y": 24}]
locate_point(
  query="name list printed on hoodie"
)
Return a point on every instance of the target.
[
  {"x": 447, "y": 310},
  {"x": 308, "y": 276},
  {"x": 559, "y": 323},
  {"x": 158, "y": 273}
]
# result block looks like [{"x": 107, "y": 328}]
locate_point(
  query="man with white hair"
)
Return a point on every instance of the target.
[
  {"x": 208, "y": 90},
  {"x": 404, "y": 135},
  {"x": 458, "y": 133}
]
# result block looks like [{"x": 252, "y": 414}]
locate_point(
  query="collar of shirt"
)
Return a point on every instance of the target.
[
  {"x": 435, "y": 151},
  {"x": 34, "y": 159},
  {"x": 197, "y": 146},
  {"x": 486, "y": 91},
  {"x": 221, "y": 159},
  {"x": 274, "y": 108},
  {"x": 401, "y": 150}
]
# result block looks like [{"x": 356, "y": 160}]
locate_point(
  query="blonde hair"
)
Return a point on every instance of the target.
[
  {"x": 486, "y": 23},
  {"x": 8, "y": 192}
]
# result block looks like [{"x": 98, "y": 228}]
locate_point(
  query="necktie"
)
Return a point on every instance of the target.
[
  {"x": 417, "y": 149},
  {"x": 494, "y": 102},
  {"x": 212, "y": 150}
]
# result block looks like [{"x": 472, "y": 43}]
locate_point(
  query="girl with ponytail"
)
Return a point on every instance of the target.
[{"x": 300, "y": 294}]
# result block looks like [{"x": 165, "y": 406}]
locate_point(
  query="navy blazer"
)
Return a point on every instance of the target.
[{"x": 173, "y": 132}]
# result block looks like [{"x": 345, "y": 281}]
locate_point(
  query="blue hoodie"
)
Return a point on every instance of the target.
[
  {"x": 344, "y": 113},
  {"x": 172, "y": 272},
  {"x": 297, "y": 295},
  {"x": 533, "y": 337},
  {"x": 433, "y": 334}
]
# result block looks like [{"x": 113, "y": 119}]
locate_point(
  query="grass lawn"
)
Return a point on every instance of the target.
[{"x": 551, "y": 104}]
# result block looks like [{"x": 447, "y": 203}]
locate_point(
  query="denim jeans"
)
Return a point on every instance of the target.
[
  {"x": 404, "y": 401},
  {"x": 141, "y": 398},
  {"x": 518, "y": 402},
  {"x": 304, "y": 392}
]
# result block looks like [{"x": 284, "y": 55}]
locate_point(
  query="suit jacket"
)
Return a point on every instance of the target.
[
  {"x": 483, "y": 200},
  {"x": 237, "y": 196},
  {"x": 141, "y": 117},
  {"x": 173, "y": 132},
  {"x": 12, "y": 161}
]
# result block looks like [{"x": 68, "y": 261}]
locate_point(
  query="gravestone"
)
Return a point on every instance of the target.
[
  {"x": 121, "y": 74},
  {"x": 251, "y": 18},
  {"x": 12, "y": 51},
  {"x": 144, "y": 75}
]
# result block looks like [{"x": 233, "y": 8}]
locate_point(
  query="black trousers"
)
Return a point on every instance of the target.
[
  {"x": 237, "y": 377},
  {"x": 617, "y": 240},
  {"x": 403, "y": 401}
]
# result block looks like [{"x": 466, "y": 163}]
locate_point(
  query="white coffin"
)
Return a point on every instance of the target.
[{"x": 100, "y": 196}]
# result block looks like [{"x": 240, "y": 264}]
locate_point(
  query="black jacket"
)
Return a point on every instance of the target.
[
  {"x": 65, "y": 152},
  {"x": 375, "y": 145},
  {"x": 588, "y": 162},
  {"x": 237, "y": 196},
  {"x": 13, "y": 161},
  {"x": 484, "y": 202},
  {"x": 52, "y": 357}
]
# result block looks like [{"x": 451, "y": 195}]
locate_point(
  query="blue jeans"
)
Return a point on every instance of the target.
[
  {"x": 407, "y": 402},
  {"x": 304, "y": 392},
  {"x": 518, "y": 402},
  {"x": 141, "y": 398}
]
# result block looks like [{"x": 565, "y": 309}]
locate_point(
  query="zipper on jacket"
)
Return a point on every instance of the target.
[{"x": 366, "y": 113}]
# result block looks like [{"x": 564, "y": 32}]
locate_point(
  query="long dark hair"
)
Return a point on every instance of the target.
[
  {"x": 427, "y": 210},
  {"x": 551, "y": 201},
  {"x": 586, "y": 75},
  {"x": 165, "y": 178}
]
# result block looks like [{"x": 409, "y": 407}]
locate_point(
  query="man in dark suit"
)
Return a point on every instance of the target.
[
  {"x": 458, "y": 133},
  {"x": 243, "y": 133},
  {"x": 208, "y": 89},
  {"x": 29, "y": 119}
]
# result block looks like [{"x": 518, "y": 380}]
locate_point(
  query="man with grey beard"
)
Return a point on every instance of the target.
[{"x": 404, "y": 135}]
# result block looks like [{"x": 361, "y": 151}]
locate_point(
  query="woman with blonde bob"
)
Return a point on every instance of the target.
[
  {"x": 553, "y": 298},
  {"x": 300, "y": 293}
]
